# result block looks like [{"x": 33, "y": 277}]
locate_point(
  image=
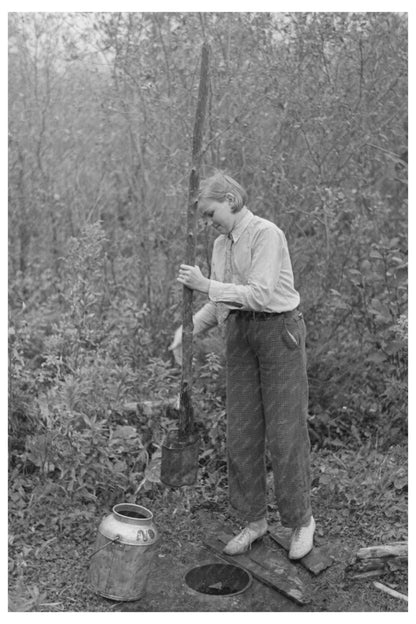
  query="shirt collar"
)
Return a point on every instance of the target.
[{"x": 241, "y": 226}]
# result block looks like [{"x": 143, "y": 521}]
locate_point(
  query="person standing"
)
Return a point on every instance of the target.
[{"x": 251, "y": 293}]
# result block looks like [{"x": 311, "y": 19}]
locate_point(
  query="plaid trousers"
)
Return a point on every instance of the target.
[{"x": 267, "y": 399}]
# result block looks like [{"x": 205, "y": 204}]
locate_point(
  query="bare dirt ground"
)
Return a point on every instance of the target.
[{"x": 49, "y": 554}]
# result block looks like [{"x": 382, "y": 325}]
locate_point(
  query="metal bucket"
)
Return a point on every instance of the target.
[
  {"x": 124, "y": 549},
  {"x": 179, "y": 464}
]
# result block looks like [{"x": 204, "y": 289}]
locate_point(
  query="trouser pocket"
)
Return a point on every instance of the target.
[{"x": 293, "y": 329}]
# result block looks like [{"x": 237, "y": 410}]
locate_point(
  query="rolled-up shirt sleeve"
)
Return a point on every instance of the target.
[
  {"x": 205, "y": 318},
  {"x": 266, "y": 263}
]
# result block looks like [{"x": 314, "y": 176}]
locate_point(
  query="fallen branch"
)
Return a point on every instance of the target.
[
  {"x": 388, "y": 590},
  {"x": 369, "y": 574},
  {"x": 363, "y": 565},
  {"x": 389, "y": 154},
  {"x": 399, "y": 549},
  {"x": 377, "y": 560},
  {"x": 151, "y": 406}
]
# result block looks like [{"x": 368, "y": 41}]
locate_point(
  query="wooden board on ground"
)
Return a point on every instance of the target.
[
  {"x": 316, "y": 561},
  {"x": 265, "y": 565}
]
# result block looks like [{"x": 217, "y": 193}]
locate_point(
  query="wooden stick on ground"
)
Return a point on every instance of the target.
[
  {"x": 399, "y": 549},
  {"x": 391, "y": 592}
]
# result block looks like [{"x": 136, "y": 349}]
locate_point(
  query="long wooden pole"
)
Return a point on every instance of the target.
[{"x": 186, "y": 413}]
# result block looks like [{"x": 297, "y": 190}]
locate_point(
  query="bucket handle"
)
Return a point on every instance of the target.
[{"x": 113, "y": 541}]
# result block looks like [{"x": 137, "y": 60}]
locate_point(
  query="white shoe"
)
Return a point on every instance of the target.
[
  {"x": 243, "y": 541},
  {"x": 302, "y": 540}
]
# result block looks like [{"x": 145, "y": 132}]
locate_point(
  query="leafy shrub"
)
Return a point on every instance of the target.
[
  {"x": 81, "y": 374},
  {"x": 358, "y": 353}
]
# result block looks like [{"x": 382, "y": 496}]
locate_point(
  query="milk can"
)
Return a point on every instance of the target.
[{"x": 123, "y": 552}]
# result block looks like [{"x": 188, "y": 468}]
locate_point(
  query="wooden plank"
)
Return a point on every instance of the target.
[
  {"x": 270, "y": 572},
  {"x": 316, "y": 561},
  {"x": 277, "y": 565},
  {"x": 261, "y": 552}
]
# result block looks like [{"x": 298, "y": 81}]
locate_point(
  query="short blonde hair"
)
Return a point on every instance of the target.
[{"x": 218, "y": 186}]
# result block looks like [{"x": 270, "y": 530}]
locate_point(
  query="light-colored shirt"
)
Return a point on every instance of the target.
[{"x": 262, "y": 276}]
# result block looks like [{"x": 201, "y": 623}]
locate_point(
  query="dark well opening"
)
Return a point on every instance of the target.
[{"x": 218, "y": 579}]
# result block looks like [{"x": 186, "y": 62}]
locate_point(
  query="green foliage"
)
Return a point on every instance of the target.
[
  {"x": 365, "y": 395},
  {"x": 78, "y": 384},
  {"x": 308, "y": 111},
  {"x": 210, "y": 400}
]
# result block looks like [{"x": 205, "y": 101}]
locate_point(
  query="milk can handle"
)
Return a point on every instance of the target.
[{"x": 113, "y": 541}]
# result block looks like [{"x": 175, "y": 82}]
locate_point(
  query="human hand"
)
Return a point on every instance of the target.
[
  {"x": 191, "y": 277},
  {"x": 176, "y": 346}
]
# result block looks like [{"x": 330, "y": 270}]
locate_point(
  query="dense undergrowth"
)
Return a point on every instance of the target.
[{"x": 79, "y": 356}]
